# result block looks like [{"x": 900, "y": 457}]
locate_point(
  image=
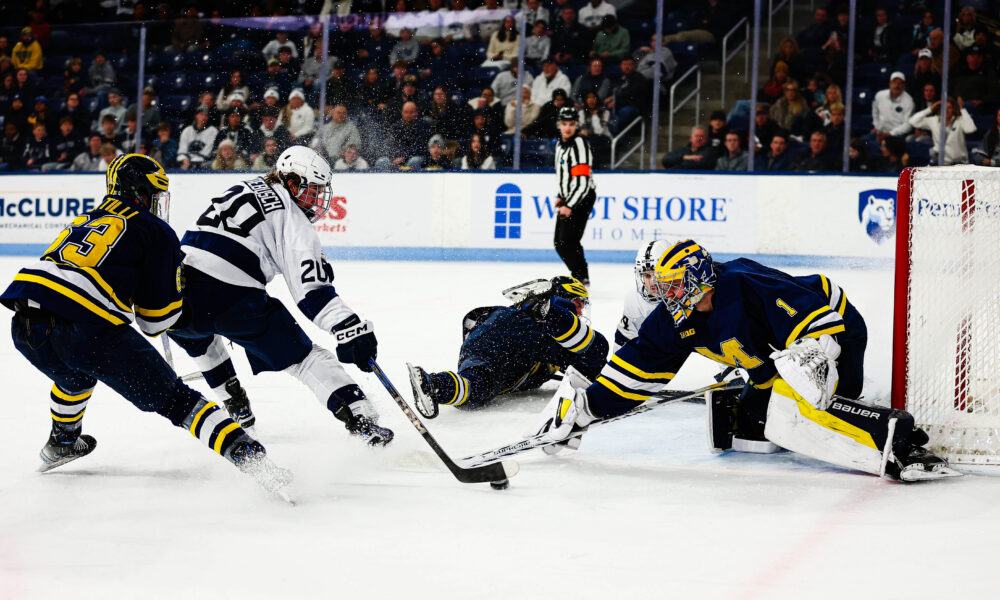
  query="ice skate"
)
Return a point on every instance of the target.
[
  {"x": 56, "y": 453},
  {"x": 238, "y": 405},
  {"x": 364, "y": 426},
  {"x": 423, "y": 392},
  {"x": 251, "y": 458},
  {"x": 919, "y": 464}
]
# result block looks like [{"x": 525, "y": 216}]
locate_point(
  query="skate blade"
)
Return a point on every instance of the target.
[
  {"x": 48, "y": 466},
  {"x": 421, "y": 399},
  {"x": 918, "y": 474},
  {"x": 284, "y": 495}
]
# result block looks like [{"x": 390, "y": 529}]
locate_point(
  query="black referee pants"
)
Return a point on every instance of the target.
[{"x": 569, "y": 232}]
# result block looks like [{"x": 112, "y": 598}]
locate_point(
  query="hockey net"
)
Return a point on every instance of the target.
[{"x": 946, "y": 331}]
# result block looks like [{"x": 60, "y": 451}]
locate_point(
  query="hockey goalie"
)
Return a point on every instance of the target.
[{"x": 802, "y": 345}]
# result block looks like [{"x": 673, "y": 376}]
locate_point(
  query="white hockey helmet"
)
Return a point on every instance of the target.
[
  {"x": 313, "y": 194},
  {"x": 645, "y": 264}
]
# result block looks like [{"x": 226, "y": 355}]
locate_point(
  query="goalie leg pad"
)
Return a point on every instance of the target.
[{"x": 851, "y": 435}]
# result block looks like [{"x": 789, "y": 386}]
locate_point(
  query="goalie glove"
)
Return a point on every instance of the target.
[
  {"x": 809, "y": 366},
  {"x": 356, "y": 342}
]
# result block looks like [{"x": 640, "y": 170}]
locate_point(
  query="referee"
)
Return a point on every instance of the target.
[{"x": 577, "y": 193}]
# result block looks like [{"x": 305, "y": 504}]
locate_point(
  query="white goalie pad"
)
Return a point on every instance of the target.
[
  {"x": 794, "y": 424},
  {"x": 809, "y": 366}
]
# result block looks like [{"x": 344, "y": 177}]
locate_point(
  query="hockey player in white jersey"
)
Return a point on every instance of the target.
[
  {"x": 642, "y": 301},
  {"x": 254, "y": 231}
]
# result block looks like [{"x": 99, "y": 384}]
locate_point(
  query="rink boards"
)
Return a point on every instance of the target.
[{"x": 794, "y": 220}]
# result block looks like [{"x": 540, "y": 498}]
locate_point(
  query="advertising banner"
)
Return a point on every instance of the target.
[{"x": 478, "y": 216}]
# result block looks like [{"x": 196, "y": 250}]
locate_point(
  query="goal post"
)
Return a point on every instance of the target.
[{"x": 946, "y": 324}]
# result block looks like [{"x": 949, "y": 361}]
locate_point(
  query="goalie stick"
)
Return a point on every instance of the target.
[
  {"x": 496, "y": 472},
  {"x": 537, "y": 441}
]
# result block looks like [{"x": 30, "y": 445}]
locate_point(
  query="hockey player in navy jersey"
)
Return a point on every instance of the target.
[
  {"x": 254, "y": 231},
  {"x": 73, "y": 310},
  {"x": 801, "y": 344},
  {"x": 514, "y": 348}
]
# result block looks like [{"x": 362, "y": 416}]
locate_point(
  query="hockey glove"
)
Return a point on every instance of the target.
[
  {"x": 810, "y": 367},
  {"x": 566, "y": 414},
  {"x": 356, "y": 342}
]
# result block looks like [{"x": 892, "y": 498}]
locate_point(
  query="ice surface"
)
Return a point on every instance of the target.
[{"x": 643, "y": 510}]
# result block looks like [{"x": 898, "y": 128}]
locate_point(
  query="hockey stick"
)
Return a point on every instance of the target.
[
  {"x": 167, "y": 354},
  {"x": 539, "y": 440},
  {"x": 496, "y": 473}
]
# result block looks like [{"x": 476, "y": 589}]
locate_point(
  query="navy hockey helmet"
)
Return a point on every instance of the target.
[
  {"x": 572, "y": 289},
  {"x": 140, "y": 179},
  {"x": 684, "y": 274}
]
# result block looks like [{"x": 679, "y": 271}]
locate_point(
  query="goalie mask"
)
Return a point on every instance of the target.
[
  {"x": 140, "y": 179},
  {"x": 684, "y": 274},
  {"x": 571, "y": 289},
  {"x": 311, "y": 175},
  {"x": 645, "y": 265}
]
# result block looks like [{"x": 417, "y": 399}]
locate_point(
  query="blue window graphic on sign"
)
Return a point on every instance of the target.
[{"x": 507, "y": 212}]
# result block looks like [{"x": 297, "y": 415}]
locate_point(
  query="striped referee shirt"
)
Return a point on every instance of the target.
[{"x": 574, "y": 161}]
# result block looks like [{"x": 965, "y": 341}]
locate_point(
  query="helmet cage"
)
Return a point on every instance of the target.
[
  {"x": 314, "y": 199},
  {"x": 683, "y": 275}
]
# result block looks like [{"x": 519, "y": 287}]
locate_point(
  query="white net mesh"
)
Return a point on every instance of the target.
[{"x": 953, "y": 317}]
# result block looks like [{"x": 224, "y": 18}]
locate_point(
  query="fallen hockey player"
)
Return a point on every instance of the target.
[
  {"x": 801, "y": 344},
  {"x": 514, "y": 348}
]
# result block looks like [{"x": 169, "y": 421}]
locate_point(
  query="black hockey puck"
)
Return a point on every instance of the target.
[{"x": 500, "y": 485}]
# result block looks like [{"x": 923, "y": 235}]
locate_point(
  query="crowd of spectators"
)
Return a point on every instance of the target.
[
  {"x": 413, "y": 84},
  {"x": 896, "y": 101}
]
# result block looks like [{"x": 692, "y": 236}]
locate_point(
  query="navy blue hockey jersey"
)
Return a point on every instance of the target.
[
  {"x": 522, "y": 355},
  {"x": 756, "y": 309},
  {"x": 112, "y": 264}
]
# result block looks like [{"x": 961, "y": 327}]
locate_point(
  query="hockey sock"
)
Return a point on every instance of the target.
[
  {"x": 217, "y": 367},
  {"x": 450, "y": 388},
  {"x": 211, "y": 424},
  {"x": 345, "y": 396},
  {"x": 67, "y": 409}
]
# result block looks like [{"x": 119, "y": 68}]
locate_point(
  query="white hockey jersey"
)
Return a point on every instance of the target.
[
  {"x": 637, "y": 308},
  {"x": 255, "y": 231}
]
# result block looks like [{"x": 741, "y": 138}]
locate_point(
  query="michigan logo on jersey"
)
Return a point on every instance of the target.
[{"x": 877, "y": 213}]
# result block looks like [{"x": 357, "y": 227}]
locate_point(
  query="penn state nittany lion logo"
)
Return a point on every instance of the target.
[{"x": 877, "y": 213}]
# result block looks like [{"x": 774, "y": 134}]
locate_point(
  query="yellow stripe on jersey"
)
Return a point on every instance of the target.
[
  {"x": 826, "y": 285},
  {"x": 197, "y": 417},
  {"x": 58, "y": 393},
  {"x": 843, "y": 303},
  {"x": 221, "y": 437},
  {"x": 794, "y": 335},
  {"x": 766, "y": 384},
  {"x": 96, "y": 278},
  {"x": 639, "y": 372},
  {"x": 620, "y": 392},
  {"x": 81, "y": 300},
  {"x": 159, "y": 312},
  {"x": 585, "y": 342},
  {"x": 824, "y": 418},
  {"x": 572, "y": 330},
  {"x": 829, "y": 331}
]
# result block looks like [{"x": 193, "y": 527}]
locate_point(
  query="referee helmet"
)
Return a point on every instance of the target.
[{"x": 568, "y": 113}]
